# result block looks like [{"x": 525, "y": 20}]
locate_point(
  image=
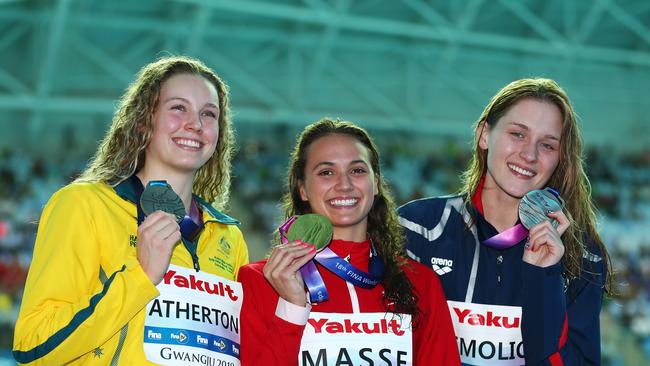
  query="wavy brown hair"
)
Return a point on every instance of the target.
[
  {"x": 383, "y": 226},
  {"x": 122, "y": 151},
  {"x": 569, "y": 177}
]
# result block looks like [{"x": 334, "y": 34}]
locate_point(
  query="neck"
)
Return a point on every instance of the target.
[
  {"x": 499, "y": 209},
  {"x": 180, "y": 183},
  {"x": 357, "y": 233}
]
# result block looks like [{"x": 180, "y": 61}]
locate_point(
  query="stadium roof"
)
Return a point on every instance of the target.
[{"x": 414, "y": 65}]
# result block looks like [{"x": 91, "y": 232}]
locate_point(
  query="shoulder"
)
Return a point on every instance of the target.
[
  {"x": 425, "y": 282},
  {"x": 79, "y": 193},
  {"x": 83, "y": 188},
  {"x": 215, "y": 214},
  {"x": 421, "y": 204},
  {"x": 429, "y": 205},
  {"x": 252, "y": 271},
  {"x": 414, "y": 268},
  {"x": 419, "y": 274}
]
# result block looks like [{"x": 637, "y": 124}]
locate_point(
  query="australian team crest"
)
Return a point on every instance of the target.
[{"x": 224, "y": 246}]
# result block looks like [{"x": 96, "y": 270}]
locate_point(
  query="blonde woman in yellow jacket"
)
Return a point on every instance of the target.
[{"x": 111, "y": 285}]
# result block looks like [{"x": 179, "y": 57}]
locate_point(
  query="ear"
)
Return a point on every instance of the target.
[
  {"x": 303, "y": 192},
  {"x": 482, "y": 132}
]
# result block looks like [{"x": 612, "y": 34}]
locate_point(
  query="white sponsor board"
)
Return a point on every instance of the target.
[
  {"x": 357, "y": 339},
  {"x": 488, "y": 334},
  {"x": 194, "y": 321}
]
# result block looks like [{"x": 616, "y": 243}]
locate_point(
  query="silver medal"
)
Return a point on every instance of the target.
[
  {"x": 159, "y": 195},
  {"x": 535, "y": 206}
]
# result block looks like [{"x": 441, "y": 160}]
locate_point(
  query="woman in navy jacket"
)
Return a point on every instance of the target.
[{"x": 538, "y": 300}]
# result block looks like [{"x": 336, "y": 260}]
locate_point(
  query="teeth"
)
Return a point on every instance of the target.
[
  {"x": 521, "y": 171},
  {"x": 190, "y": 143},
  {"x": 346, "y": 202}
]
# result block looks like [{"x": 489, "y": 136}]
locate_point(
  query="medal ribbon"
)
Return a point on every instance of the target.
[
  {"x": 507, "y": 238},
  {"x": 337, "y": 265}
]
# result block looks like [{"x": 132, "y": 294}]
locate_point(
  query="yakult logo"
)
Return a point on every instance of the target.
[
  {"x": 348, "y": 326},
  {"x": 489, "y": 319},
  {"x": 219, "y": 289}
]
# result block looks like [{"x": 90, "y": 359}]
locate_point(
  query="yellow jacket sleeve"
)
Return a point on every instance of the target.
[
  {"x": 70, "y": 306},
  {"x": 242, "y": 255}
]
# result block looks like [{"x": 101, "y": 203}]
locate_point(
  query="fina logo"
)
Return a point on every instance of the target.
[
  {"x": 441, "y": 265},
  {"x": 181, "y": 337}
]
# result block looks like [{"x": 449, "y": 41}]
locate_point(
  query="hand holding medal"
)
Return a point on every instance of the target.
[
  {"x": 159, "y": 232},
  {"x": 535, "y": 208},
  {"x": 290, "y": 266},
  {"x": 284, "y": 268},
  {"x": 317, "y": 231}
]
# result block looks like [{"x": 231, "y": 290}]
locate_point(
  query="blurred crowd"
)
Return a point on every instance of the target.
[{"x": 413, "y": 167}]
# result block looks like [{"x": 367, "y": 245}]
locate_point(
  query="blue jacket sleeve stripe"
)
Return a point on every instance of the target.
[{"x": 62, "y": 334}]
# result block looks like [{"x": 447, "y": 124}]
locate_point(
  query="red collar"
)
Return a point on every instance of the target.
[{"x": 477, "y": 199}]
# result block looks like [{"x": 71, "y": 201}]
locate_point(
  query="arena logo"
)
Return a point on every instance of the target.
[
  {"x": 218, "y": 289},
  {"x": 441, "y": 265}
]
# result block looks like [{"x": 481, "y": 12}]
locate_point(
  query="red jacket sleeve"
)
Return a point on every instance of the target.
[
  {"x": 266, "y": 339},
  {"x": 434, "y": 341}
]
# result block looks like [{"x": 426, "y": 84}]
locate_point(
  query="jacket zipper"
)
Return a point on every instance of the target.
[{"x": 499, "y": 268}]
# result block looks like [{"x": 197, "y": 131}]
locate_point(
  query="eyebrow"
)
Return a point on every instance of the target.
[
  {"x": 523, "y": 126},
  {"x": 329, "y": 163},
  {"x": 212, "y": 105}
]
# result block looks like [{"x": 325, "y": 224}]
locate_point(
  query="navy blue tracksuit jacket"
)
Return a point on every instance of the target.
[{"x": 560, "y": 317}]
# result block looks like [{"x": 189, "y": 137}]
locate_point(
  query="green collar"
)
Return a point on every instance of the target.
[{"x": 125, "y": 190}]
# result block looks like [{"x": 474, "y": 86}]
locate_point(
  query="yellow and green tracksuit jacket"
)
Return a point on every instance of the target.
[{"x": 86, "y": 293}]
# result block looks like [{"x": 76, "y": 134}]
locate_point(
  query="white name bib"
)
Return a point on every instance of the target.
[
  {"x": 488, "y": 334},
  {"x": 194, "y": 321},
  {"x": 356, "y": 339}
]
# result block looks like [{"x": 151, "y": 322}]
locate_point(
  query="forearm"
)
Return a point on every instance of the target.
[{"x": 557, "y": 331}]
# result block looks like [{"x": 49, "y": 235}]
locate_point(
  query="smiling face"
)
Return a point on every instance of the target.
[
  {"x": 523, "y": 148},
  {"x": 340, "y": 184},
  {"x": 185, "y": 125}
]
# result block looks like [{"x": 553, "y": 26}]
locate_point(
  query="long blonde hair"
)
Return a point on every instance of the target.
[
  {"x": 122, "y": 151},
  {"x": 569, "y": 177}
]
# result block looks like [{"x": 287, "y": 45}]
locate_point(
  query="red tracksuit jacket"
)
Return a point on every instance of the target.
[{"x": 268, "y": 339}]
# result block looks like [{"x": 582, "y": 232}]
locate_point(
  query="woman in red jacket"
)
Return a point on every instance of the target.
[{"x": 403, "y": 320}]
